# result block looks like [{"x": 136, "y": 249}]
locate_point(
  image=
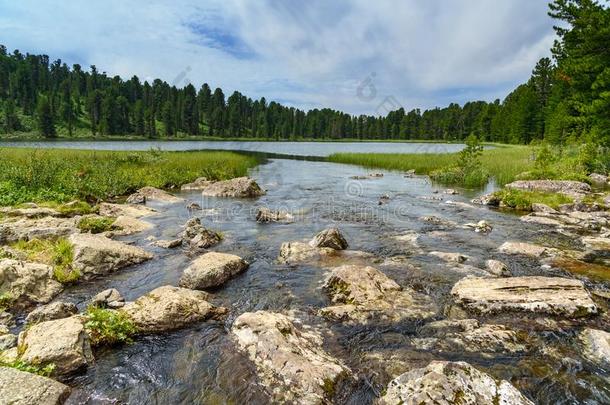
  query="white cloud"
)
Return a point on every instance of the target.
[{"x": 309, "y": 54}]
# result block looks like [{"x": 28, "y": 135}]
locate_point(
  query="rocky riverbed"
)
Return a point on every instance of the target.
[{"x": 312, "y": 283}]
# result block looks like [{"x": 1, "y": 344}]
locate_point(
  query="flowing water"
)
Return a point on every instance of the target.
[{"x": 200, "y": 364}]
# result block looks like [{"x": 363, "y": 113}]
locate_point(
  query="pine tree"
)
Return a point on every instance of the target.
[{"x": 46, "y": 124}]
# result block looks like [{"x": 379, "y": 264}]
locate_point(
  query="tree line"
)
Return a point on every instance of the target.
[{"x": 566, "y": 98}]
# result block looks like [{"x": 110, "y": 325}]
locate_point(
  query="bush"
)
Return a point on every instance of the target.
[
  {"x": 523, "y": 200},
  {"x": 96, "y": 224},
  {"x": 109, "y": 327},
  {"x": 469, "y": 171}
]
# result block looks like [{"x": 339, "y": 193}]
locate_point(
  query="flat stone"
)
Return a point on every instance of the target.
[
  {"x": 129, "y": 225},
  {"x": 128, "y": 210},
  {"x": 596, "y": 346},
  {"x": 42, "y": 228},
  {"x": 167, "y": 244},
  {"x": 28, "y": 283},
  {"x": 527, "y": 249},
  {"x": 540, "y": 295},
  {"x": 240, "y": 187},
  {"x": 152, "y": 194},
  {"x": 97, "y": 255},
  {"x": 212, "y": 269},
  {"x": 448, "y": 383},
  {"x": 23, "y": 388},
  {"x": 168, "y": 308},
  {"x": 49, "y": 312},
  {"x": 566, "y": 187},
  {"x": 63, "y": 342},
  {"x": 299, "y": 252},
  {"x": 288, "y": 357}
]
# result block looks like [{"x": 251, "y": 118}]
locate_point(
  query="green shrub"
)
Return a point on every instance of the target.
[
  {"x": 56, "y": 253},
  {"x": 6, "y": 300},
  {"x": 75, "y": 208},
  {"x": 20, "y": 365},
  {"x": 523, "y": 200},
  {"x": 96, "y": 224},
  {"x": 109, "y": 327}
]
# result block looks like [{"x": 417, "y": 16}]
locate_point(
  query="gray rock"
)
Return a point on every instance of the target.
[
  {"x": 128, "y": 210},
  {"x": 241, "y": 187},
  {"x": 7, "y": 341},
  {"x": 497, "y": 268},
  {"x": 450, "y": 257},
  {"x": 28, "y": 283},
  {"x": 329, "y": 238},
  {"x": 567, "y": 187},
  {"x": 198, "y": 237},
  {"x": 488, "y": 199},
  {"x": 193, "y": 206},
  {"x": 199, "y": 184},
  {"x": 598, "y": 178},
  {"x": 110, "y": 298},
  {"x": 167, "y": 244},
  {"x": 42, "y": 228},
  {"x": 596, "y": 346},
  {"x": 212, "y": 269},
  {"x": 49, "y": 312},
  {"x": 266, "y": 215},
  {"x": 536, "y": 207},
  {"x": 150, "y": 193},
  {"x": 22, "y": 388},
  {"x": 527, "y": 249}
]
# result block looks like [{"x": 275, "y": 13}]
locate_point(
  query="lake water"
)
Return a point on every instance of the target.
[{"x": 317, "y": 149}]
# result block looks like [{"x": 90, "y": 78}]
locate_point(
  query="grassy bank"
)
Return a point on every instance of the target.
[
  {"x": 61, "y": 175},
  {"x": 503, "y": 163}
]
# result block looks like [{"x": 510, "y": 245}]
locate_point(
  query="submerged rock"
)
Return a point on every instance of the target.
[
  {"x": 62, "y": 342},
  {"x": 434, "y": 220},
  {"x": 169, "y": 308},
  {"x": 97, "y": 255},
  {"x": 266, "y": 215},
  {"x": 527, "y": 249},
  {"x": 49, "y": 312},
  {"x": 199, "y": 184},
  {"x": 198, "y": 237},
  {"x": 28, "y": 283},
  {"x": 240, "y": 187},
  {"x": 596, "y": 346},
  {"x": 288, "y": 358},
  {"x": 212, "y": 269},
  {"x": 150, "y": 193},
  {"x": 110, "y": 298},
  {"x": 567, "y": 187},
  {"x": 193, "y": 206},
  {"x": 450, "y": 257},
  {"x": 364, "y": 294},
  {"x": 540, "y": 295},
  {"x": 329, "y": 238},
  {"x": 481, "y": 227},
  {"x": 23, "y": 388},
  {"x": 447, "y": 383}
]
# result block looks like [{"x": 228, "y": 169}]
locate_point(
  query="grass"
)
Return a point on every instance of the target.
[
  {"x": 503, "y": 163},
  {"x": 96, "y": 224},
  {"x": 20, "y": 365},
  {"x": 6, "y": 300},
  {"x": 63, "y": 175},
  {"x": 109, "y": 327},
  {"x": 523, "y": 200},
  {"x": 57, "y": 253}
]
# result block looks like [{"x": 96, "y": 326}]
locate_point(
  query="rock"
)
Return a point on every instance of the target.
[
  {"x": 43, "y": 228},
  {"x": 167, "y": 244},
  {"x": 63, "y": 342},
  {"x": 266, "y": 215},
  {"x": 96, "y": 255},
  {"x": 168, "y": 308},
  {"x": 110, "y": 298},
  {"x": 128, "y": 210},
  {"x": 241, "y": 187},
  {"x": 535, "y": 218},
  {"x": 434, "y": 220},
  {"x": 299, "y": 252},
  {"x": 196, "y": 236},
  {"x": 212, "y": 270},
  {"x": 23, "y": 388},
  {"x": 150, "y": 193},
  {"x": 445, "y": 383},
  {"x": 365, "y": 294},
  {"x": 28, "y": 283},
  {"x": 597, "y": 178},
  {"x": 497, "y": 268},
  {"x": 193, "y": 206},
  {"x": 329, "y": 238},
  {"x": 597, "y": 246},
  {"x": 450, "y": 257},
  {"x": 480, "y": 227},
  {"x": 468, "y": 335},
  {"x": 566, "y": 187},
  {"x": 31, "y": 212},
  {"x": 7, "y": 341},
  {"x": 490, "y": 199},
  {"x": 128, "y": 226},
  {"x": 596, "y": 346},
  {"x": 450, "y": 191},
  {"x": 540, "y": 295},
  {"x": 288, "y": 358},
  {"x": 527, "y": 249},
  {"x": 199, "y": 184},
  {"x": 6, "y": 319},
  {"x": 376, "y": 175},
  {"x": 9, "y": 356},
  {"x": 536, "y": 207},
  {"x": 49, "y": 312}
]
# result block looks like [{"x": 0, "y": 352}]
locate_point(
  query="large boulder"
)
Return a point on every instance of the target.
[
  {"x": 23, "y": 388},
  {"x": 62, "y": 342},
  {"x": 329, "y": 238},
  {"x": 27, "y": 283},
  {"x": 127, "y": 210},
  {"x": 49, "y": 312},
  {"x": 596, "y": 346},
  {"x": 152, "y": 194},
  {"x": 198, "y": 237},
  {"x": 212, "y": 269},
  {"x": 540, "y": 295},
  {"x": 168, "y": 308},
  {"x": 289, "y": 358},
  {"x": 363, "y": 294},
  {"x": 240, "y": 187},
  {"x": 199, "y": 184},
  {"x": 42, "y": 228},
  {"x": 447, "y": 383},
  {"x": 97, "y": 255},
  {"x": 566, "y": 187}
]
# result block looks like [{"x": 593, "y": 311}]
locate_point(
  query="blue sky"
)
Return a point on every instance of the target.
[{"x": 348, "y": 55}]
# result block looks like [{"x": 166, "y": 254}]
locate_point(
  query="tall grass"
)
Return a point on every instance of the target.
[
  {"x": 61, "y": 175},
  {"x": 503, "y": 163}
]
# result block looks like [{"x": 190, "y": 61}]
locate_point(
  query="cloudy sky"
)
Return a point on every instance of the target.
[{"x": 359, "y": 56}]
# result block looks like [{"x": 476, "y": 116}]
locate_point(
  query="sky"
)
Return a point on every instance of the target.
[{"x": 358, "y": 56}]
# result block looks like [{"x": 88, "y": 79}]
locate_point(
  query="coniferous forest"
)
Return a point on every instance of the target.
[{"x": 567, "y": 98}]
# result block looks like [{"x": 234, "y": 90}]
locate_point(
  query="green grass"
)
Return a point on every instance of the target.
[
  {"x": 20, "y": 365},
  {"x": 503, "y": 163},
  {"x": 96, "y": 224},
  {"x": 57, "y": 253},
  {"x": 6, "y": 300},
  {"x": 109, "y": 327},
  {"x": 62, "y": 175},
  {"x": 523, "y": 200}
]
